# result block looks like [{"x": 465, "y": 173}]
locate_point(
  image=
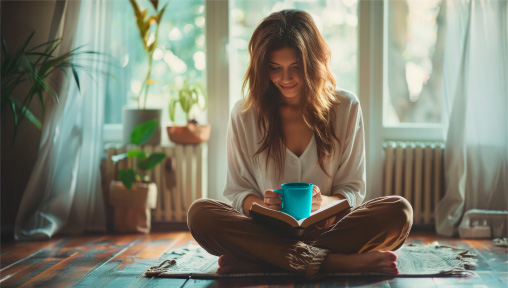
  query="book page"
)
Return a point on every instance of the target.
[
  {"x": 256, "y": 208},
  {"x": 324, "y": 213}
]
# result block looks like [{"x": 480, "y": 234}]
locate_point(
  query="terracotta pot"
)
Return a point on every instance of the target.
[
  {"x": 132, "y": 207},
  {"x": 192, "y": 133}
]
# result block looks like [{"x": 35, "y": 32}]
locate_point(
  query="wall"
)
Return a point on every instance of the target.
[{"x": 18, "y": 19}]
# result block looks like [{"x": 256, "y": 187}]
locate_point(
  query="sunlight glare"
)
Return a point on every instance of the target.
[
  {"x": 199, "y": 60},
  {"x": 175, "y": 34}
]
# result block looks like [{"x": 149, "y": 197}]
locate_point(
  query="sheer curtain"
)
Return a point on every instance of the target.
[
  {"x": 475, "y": 98},
  {"x": 64, "y": 192}
]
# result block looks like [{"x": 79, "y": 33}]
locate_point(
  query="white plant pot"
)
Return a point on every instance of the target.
[
  {"x": 132, "y": 207},
  {"x": 132, "y": 117}
]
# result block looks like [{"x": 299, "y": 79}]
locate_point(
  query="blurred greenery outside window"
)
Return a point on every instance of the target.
[
  {"x": 413, "y": 55},
  {"x": 180, "y": 54},
  {"x": 412, "y": 52}
]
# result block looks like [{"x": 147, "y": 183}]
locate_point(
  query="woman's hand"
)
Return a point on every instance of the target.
[
  {"x": 317, "y": 199},
  {"x": 272, "y": 200}
]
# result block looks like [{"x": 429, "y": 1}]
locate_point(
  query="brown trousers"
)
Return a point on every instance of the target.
[{"x": 379, "y": 224}]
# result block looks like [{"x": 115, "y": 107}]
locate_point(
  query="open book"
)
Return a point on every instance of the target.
[{"x": 288, "y": 225}]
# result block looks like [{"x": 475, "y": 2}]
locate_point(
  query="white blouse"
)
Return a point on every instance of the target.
[{"x": 249, "y": 176}]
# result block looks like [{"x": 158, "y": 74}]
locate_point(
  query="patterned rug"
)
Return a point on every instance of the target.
[{"x": 414, "y": 260}]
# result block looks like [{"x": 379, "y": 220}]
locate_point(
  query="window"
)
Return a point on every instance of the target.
[
  {"x": 411, "y": 48},
  {"x": 396, "y": 37},
  {"x": 381, "y": 70},
  {"x": 412, "y": 61},
  {"x": 337, "y": 21},
  {"x": 180, "y": 53}
]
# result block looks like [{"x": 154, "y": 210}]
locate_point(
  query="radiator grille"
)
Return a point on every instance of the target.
[
  {"x": 180, "y": 179},
  {"x": 415, "y": 170}
]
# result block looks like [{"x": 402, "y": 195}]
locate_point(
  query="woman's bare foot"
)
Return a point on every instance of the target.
[
  {"x": 231, "y": 264},
  {"x": 376, "y": 261}
]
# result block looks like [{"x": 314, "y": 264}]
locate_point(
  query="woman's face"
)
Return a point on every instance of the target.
[{"x": 284, "y": 72}]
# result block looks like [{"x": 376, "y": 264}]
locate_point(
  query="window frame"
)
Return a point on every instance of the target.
[{"x": 371, "y": 15}]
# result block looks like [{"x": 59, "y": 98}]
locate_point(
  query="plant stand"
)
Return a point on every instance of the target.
[{"x": 132, "y": 207}]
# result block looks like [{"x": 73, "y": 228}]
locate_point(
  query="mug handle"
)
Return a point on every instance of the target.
[{"x": 281, "y": 193}]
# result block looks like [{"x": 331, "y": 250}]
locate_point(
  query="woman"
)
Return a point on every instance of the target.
[{"x": 294, "y": 127}]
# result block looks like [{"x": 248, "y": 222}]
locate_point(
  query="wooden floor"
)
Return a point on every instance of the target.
[{"x": 120, "y": 260}]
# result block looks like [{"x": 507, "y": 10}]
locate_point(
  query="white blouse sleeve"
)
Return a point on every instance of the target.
[
  {"x": 349, "y": 179},
  {"x": 240, "y": 181}
]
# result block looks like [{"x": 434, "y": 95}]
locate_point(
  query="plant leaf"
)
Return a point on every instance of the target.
[
  {"x": 4, "y": 49},
  {"x": 19, "y": 54},
  {"x": 161, "y": 13},
  {"x": 201, "y": 92},
  {"x": 143, "y": 132},
  {"x": 30, "y": 116},
  {"x": 22, "y": 49},
  {"x": 135, "y": 153},
  {"x": 185, "y": 100},
  {"x": 41, "y": 99},
  {"x": 76, "y": 76},
  {"x": 23, "y": 111},
  {"x": 16, "y": 120},
  {"x": 14, "y": 113},
  {"x": 48, "y": 43},
  {"x": 155, "y": 3},
  {"x": 142, "y": 157},
  {"x": 127, "y": 177},
  {"x": 172, "y": 109},
  {"x": 152, "y": 161},
  {"x": 38, "y": 82}
]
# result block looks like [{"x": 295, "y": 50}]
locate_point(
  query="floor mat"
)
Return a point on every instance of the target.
[{"x": 414, "y": 260}]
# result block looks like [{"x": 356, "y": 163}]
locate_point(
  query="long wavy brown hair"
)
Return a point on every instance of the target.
[{"x": 294, "y": 29}]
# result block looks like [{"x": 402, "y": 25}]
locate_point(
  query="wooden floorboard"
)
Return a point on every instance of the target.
[
  {"x": 120, "y": 260},
  {"x": 126, "y": 268},
  {"x": 17, "y": 251}
]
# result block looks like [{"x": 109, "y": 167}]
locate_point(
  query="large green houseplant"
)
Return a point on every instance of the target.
[
  {"x": 188, "y": 95},
  {"x": 135, "y": 194},
  {"x": 148, "y": 28},
  {"x": 27, "y": 74}
]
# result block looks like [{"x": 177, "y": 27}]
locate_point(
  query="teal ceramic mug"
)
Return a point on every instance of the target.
[{"x": 296, "y": 199}]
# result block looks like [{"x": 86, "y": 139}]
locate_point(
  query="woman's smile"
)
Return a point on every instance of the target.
[{"x": 287, "y": 87}]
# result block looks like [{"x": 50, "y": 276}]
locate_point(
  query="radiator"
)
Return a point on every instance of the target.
[
  {"x": 414, "y": 170},
  {"x": 180, "y": 179}
]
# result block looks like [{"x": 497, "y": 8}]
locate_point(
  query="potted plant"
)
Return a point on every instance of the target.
[
  {"x": 189, "y": 95},
  {"x": 27, "y": 75},
  {"x": 134, "y": 194},
  {"x": 148, "y": 27}
]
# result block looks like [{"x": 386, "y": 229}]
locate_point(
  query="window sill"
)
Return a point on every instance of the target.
[
  {"x": 112, "y": 133},
  {"x": 414, "y": 131}
]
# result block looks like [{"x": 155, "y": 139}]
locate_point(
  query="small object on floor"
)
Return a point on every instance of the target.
[
  {"x": 161, "y": 268},
  {"x": 434, "y": 260},
  {"x": 501, "y": 242},
  {"x": 480, "y": 223},
  {"x": 476, "y": 232}
]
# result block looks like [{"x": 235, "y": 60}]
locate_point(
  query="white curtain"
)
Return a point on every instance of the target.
[
  {"x": 475, "y": 98},
  {"x": 64, "y": 192}
]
